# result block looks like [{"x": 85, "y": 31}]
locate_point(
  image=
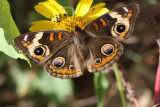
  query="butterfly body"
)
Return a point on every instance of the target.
[{"x": 95, "y": 48}]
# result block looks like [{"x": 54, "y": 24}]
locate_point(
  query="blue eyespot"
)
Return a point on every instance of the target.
[
  {"x": 107, "y": 49},
  {"x": 58, "y": 62}
]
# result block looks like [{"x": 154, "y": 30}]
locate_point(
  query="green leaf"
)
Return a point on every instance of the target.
[
  {"x": 8, "y": 49},
  {"x": 69, "y": 10},
  {"x": 7, "y": 23},
  {"x": 101, "y": 85},
  {"x": 8, "y": 32}
]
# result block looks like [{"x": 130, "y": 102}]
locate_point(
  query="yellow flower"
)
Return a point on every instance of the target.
[{"x": 59, "y": 20}]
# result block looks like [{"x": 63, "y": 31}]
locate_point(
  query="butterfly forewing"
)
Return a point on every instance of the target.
[
  {"x": 40, "y": 46},
  {"x": 117, "y": 23}
]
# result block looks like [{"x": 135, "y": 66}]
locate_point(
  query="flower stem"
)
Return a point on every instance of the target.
[
  {"x": 120, "y": 87},
  {"x": 101, "y": 85}
]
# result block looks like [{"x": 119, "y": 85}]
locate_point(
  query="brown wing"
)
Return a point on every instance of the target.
[
  {"x": 40, "y": 46},
  {"x": 65, "y": 63},
  {"x": 102, "y": 53},
  {"x": 118, "y": 23}
]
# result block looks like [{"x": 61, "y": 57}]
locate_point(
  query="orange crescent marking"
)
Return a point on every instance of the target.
[
  {"x": 25, "y": 44},
  {"x": 51, "y": 38},
  {"x": 95, "y": 26},
  {"x": 103, "y": 22},
  {"x": 129, "y": 15},
  {"x": 38, "y": 57},
  {"x": 60, "y": 36},
  {"x": 105, "y": 60},
  {"x": 123, "y": 34},
  {"x": 64, "y": 71}
]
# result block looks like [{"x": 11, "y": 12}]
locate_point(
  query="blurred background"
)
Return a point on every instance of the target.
[{"x": 23, "y": 86}]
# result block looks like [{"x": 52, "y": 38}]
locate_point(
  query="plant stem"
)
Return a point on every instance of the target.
[{"x": 120, "y": 87}]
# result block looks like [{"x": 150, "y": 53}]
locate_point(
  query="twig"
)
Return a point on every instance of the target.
[
  {"x": 85, "y": 102},
  {"x": 130, "y": 92},
  {"x": 31, "y": 76}
]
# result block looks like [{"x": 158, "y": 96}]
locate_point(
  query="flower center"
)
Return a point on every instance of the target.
[{"x": 68, "y": 23}]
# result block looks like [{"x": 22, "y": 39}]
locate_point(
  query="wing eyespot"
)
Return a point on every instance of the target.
[
  {"x": 98, "y": 60},
  {"x": 39, "y": 51},
  {"x": 107, "y": 49},
  {"x": 58, "y": 62},
  {"x": 120, "y": 28},
  {"x": 71, "y": 67}
]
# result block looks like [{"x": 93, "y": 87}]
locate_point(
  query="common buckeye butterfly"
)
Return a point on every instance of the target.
[{"x": 94, "y": 48}]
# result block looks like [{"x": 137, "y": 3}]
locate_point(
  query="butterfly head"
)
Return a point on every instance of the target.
[{"x": 77, "y": 30}]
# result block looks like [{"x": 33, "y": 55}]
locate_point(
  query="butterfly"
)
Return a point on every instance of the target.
[{"x": 95, "y": 48}]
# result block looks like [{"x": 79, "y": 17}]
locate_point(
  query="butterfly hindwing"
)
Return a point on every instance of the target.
[
  {"x": 117, "y": 23},
  {"x": 102, "y": 53},
  {"x": 66, "y": 63}
]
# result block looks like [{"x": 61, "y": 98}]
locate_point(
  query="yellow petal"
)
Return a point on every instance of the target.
[
  {"x": 95, "y": 9},
  {"x": 83, "y": 7},
  {"x": 42, "y": 25},
  {"x": 97, "y": 13},
  {"x": 58, "y": 6},
  {"x": 49, "y": 8}
]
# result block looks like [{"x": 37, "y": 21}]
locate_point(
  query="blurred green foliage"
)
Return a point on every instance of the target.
[
  {"x": 101, "y": 85},
  {"x": 55, "y": 90}
]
